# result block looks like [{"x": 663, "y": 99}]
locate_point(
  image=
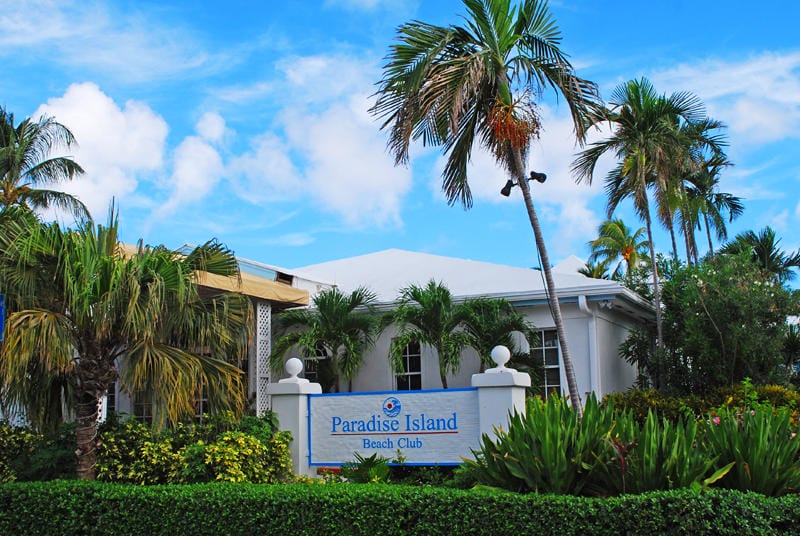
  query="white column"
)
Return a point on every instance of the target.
[
  {"x": 290, "y": 403},
  {"x": 263, "y": 351},
  {"x": 501, "y": 391}
]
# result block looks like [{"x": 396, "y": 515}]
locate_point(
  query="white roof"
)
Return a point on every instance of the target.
[
  {"x": 570, "y": 265},
  {"x": 386, "y": 272}
]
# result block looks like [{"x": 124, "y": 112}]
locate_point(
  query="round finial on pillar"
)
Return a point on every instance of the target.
[
  {"x": 501, "y": 355},
  {"x": 294, "y": 367}
]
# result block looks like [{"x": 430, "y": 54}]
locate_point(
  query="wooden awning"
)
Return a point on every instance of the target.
[
  {"x": 255, "y": 286},
  {"x": 250, "y": 284}
]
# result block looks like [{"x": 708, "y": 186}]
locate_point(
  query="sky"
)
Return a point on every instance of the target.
[{"x": 248, "y": 121}]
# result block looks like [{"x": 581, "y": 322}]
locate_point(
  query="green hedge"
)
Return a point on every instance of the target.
[{"x": 86, "y": 508}]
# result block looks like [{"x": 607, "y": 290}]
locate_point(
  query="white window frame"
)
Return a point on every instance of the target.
[
  {"x": 540, "y": 352},
  {"x": 408, "y": 353}
]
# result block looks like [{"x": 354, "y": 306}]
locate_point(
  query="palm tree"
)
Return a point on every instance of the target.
[
  {"x": 595, "y": 270},
  {"x": 26, "y": 165},
  {"x": 703, "y": 190},
  {"x": 343, "y": 326},
  {"x": 81, "y": 306},
  {"x": 616, "y": 245},
  {"x": 702, "y": 143},
  {"x": 428, "y": 316},
  {"x": 490, "y": 322},
  {"x": 764, "y": 251},
  {"x": 645, "y": 140},
  {"x": 458, "y": 86}
]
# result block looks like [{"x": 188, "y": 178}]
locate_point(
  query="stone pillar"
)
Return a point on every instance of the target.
[
  {"x": 290, "y": 403},
  {"x": 501, "y": 391}
]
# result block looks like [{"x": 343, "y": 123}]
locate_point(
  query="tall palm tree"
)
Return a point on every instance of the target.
[
  {"x": 617, "y": 245},
  {"x": 26, "y": 165},
  {"x": 491, "y": 322},
  {"x": 343, "y": 326},
  {"x": 764, "y": 251},
  {"x": 703, "y": 191},
  {"x": 81, "y": 305},
  {"x": 458, "y": 86},
  {"x": 429, "y": 316},
  {"x": 645, "y": 139},
  {"x": 702, "y": 142}
]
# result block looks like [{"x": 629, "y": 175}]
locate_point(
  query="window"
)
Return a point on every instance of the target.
[
  {"x": 143, "y": 409},
  {"x": 311, "y": 365},
  {"x": 411, "y": 377},
  {"x": 546, "y": 351},
  {"x": 111, "y": 398}
]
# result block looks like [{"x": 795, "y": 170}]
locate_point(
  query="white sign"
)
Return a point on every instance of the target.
[{"x": 427, "y": 427}]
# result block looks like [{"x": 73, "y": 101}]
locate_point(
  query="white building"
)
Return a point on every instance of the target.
[{"x": 598, "y": 315}]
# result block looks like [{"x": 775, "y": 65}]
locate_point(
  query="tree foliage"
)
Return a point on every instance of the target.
[
  {"x": 342, "y": 326},
  {"x": 27, "y": 167},
  {"x": 80, "y": 304},
  {"x": 725, "y": 320}
]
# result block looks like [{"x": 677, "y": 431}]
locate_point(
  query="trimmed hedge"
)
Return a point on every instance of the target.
[{"x": 91, "y": 508}]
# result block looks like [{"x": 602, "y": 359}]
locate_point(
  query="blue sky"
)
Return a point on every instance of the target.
[{"x": 247, "y": 121}]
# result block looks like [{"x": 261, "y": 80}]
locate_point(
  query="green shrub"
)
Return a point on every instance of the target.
[
  {"x": 764, "y": 446},
  {"x": 26, "y": 455},
  {"x": 549, "y": 450},
  {"x": 15, "y": 443},
  {"x": 71, "y": 508},
  {"x": 373, "y": 469},
  {"x": 131, "y": 452},
  {"x": 744, "y": 394},
  {"x": 656, "y": 455}
]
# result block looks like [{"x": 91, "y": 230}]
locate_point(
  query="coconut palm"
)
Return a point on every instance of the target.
[
  {"x": 616, "y": 245},
  {"x": 478, "y": 84},
  {"x": 490, "y": 322},
  {"x": 84, "y": 309},
  {"x": 429, "y": 316},
  {"x": 342, "y": 326},
  {"x": 26, "y": 165},
  {"x": 703, "y": 191},
  {"x": 764, "y": 251},
  {"x": 645, "y": 139}
]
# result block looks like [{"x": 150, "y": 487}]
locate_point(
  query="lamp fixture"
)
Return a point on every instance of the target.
[{"x": 534, "y": 176}]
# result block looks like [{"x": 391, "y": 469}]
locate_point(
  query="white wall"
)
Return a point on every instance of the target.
[{"x": 609, "y": 373}]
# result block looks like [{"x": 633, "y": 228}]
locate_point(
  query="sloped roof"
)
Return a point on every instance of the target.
[{"x": 386, "y": 272}]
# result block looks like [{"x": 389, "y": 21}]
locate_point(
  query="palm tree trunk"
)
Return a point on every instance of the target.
[
  {"x": 671, "y": 228},
  {"x": 86, "y": 413},
  {"x": 708, "y": 234},
  {"x": 654, "y": 270},
  {"x": 686, "y": 239},
  {"x": 552, "y": 295}
]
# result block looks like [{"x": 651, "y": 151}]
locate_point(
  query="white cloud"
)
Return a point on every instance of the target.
[
  {"x": 326, "y": 78},
  {"x": 779, "y": 221},
  {"x": 348, "y": 171},
  {"x": 129, "y": 46},
  {"x": 266, "y": 172},
  {"x": 211, "y": 126},
  {"x": 292, "y": 239},
  {"x": 117, "y": 144},
  {"x": 758, "y": 98},
  {"x": 197, "y": 169}
]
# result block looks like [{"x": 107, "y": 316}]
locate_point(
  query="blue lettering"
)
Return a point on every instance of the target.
[
  {"x": 409, "y": 443},
  {"x": 336, "y": 421}
]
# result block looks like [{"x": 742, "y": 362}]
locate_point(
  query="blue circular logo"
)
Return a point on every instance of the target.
[{"x": 392, "y": 407}]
